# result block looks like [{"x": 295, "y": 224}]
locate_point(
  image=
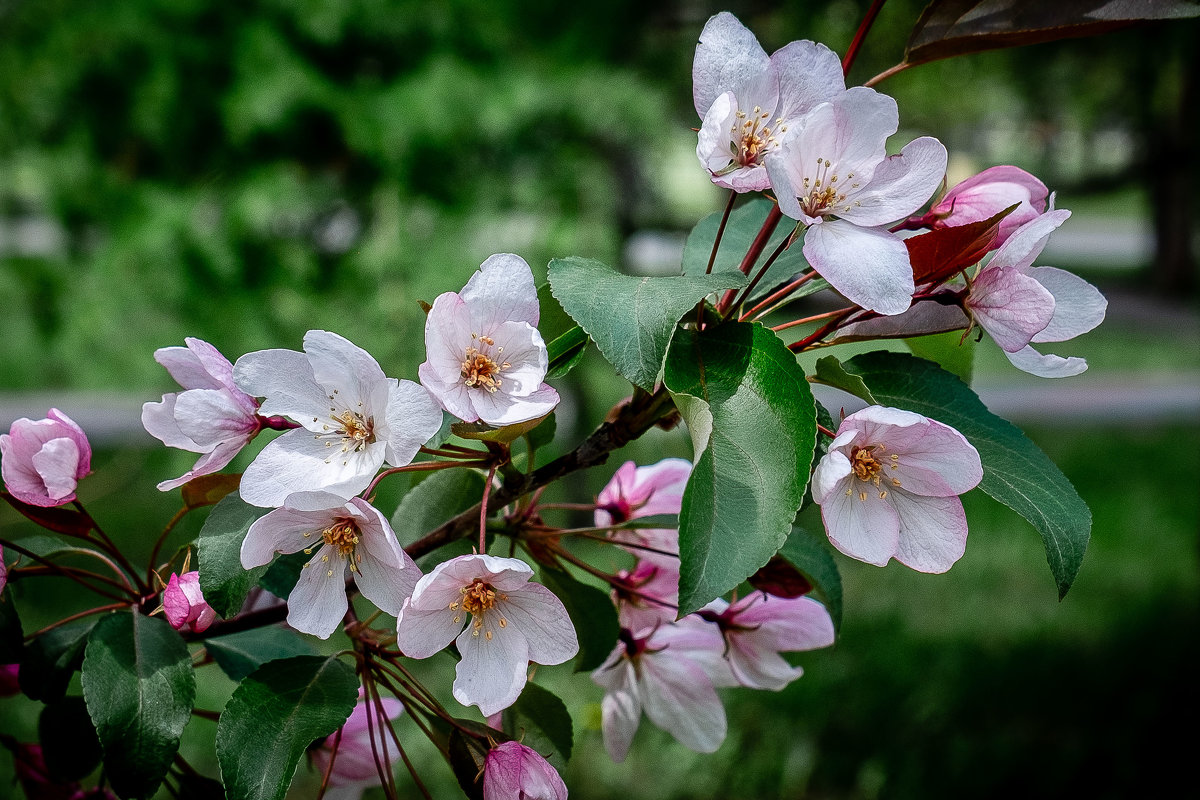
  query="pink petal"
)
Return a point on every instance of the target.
[
  {"x": 679, "y": 698},
  {"x": 212, "y": 416},
  {"x": 540, "y": 616},
  {"x": 1046, "y": 366},
  {"x": 809, "y": 74},
  {"x": 318, "y": 602},
  {"x": 933, "y": 531},
  {"x": 1078, "y": 306},
  {"x": 492, "y": 671},
  {"x": 621, "y": 707},
  {"x": 298, "y": 462},
  {"x": 868, "y": 265},
  {"x": 864, "y": 529},
  {"x": 1011, "y": 306},
  {"x": 1026, "y": 242},
  {"x": 56, "y": 464},
  {"x": 281, "y": 531},
  {"x": 159, "y": 421}
]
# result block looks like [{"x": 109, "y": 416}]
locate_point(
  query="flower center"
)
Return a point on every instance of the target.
[
  {"x": 822, "y": 194},
  {"x": 480, "y": 369},
  {"x": 869, "y": 468},
  {"x": 353, "y": 429},
  {"x": 752, "y": 137},
  {"x": 343, "y": 535},
  {"x": 478, "y": 597}
]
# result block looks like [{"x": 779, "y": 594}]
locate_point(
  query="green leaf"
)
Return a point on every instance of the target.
[
  {"x": 50, "y": 660},
  {"x": 810, "y": 554},
  {"x": 949, "y": 349},
  {"x": 68, "y": 739},
  {"x": 440, "y": 497},
  {"x": 553, "y": 322},
  {"x": 592, "y": 613},
  {"x": 482, "y": 432},
  {"x": 209, "y": 489},
  {"x": 540, "y": 720},
  {"x": 831, "y": 373},
  {"x": 12, "y": 635},
  {"x": 273, "y": 715},
  {"x": 239, "y": 654},
  {"x": 139, "y": 686},
  {"x": 282, "y": 574},
  {"x": 630, "y": 318},
  {"x": 467, "y": 764},
  {"x": 752, "y": 419},
  {"x": 219, "y": 555},
  {"x": 565, "y": 352},
  {"x": 743, "y": 226},
  {"x": 1015, "y": 471}
]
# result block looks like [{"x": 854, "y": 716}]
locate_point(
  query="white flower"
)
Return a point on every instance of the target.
[{"x": 353, "y": 418}]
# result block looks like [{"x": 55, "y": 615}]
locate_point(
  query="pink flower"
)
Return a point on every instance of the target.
[
  {"x": 513, "y": 622},
  {"x": 42, "y": 461},
  {"x": 353, "y": 418},
  {"x": 833, "y": 174},
  {"x": 666, "y": 671},
  {"x": 485, "y": 359},
  {"x": 760, "y": 626},
  {"x": 645, "y": 491},
  {"x": 183, "y": 603},
  {"x": 1017, "y": 303},
  {"x": 355, "y": 764},
  {"x": 513, "y": 771},
  {"x": 888, "y": 488},
  {"x": 748, "y": 101},
  {"x": 211, "y": 416},
  {"x": 649, "y": 595},
  {"x": 984, "y": 195},
  {"x": 339, "y": 535}
]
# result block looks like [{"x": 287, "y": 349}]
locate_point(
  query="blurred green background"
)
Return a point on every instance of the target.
[{"x": 245, "y": 172}]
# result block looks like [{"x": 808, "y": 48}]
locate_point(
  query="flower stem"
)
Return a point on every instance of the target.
[
  {"x": 763, "y": 271},
  {"x": 813, "y": 318},
  {"x": 162, "y": 537},
  {"x": 778, "y": 295},
  {"x": 756, "y": 248},
  {"x": 887, "y": 73},
  {"x": 483, "y": 508},
  {"x": 712, "y": 257}
]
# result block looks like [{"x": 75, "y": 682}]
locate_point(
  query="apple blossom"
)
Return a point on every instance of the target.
[
  {"x": 512, "y": 771},
  {"x": 485, "y": 359},
  {"x": 183, "y": 603},
  {"x": 758, "y": 627},
  {"x": 354, "y": 766},
  {"x": 647, "y": 595},
  {"x": 667, "y": 671},
  {"x": 747, "y": 101},
  {"x": 42, "y": 461},
  {"x": 211, "y": 416},
  {"x": 645, "y": 491},
  {"x": 986, "y": 194},
  {"x": 833, "y": 175},
  {"x": 888, "y": 488},
  {"x": 1017, "y": 303},
  {"x": 353, "y": 418},
  {"x": 513, "y": 622},
  {"x": 339, "y": 535}
]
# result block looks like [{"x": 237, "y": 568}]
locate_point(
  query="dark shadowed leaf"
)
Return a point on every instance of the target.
[
  {"x": 239, "y": 654},
  {"x": 48, "y": 661},
  {"x": 68, "y": 739},
  {"x": 592, "y": 613},
  {"x": 208, "y": 489},
  {"x": 781, "y": 579},
  {"x": 565, "y": 352},
  {"x": 57, "y": 519},
  {"x": 219, "y": 550},
  {"x": 539, "y": 719},
  {"x": 809, "y": 553}
]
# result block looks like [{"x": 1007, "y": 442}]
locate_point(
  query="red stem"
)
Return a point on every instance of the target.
[
  {"x": 756, "y": 248},
  {"x": 860, "y": 34}
]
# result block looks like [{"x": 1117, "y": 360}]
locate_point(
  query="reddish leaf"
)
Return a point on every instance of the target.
[
  {"x": 937, "y": 255},
  {"x": 209, "y": 489},
  {"x": 57, "y": 519},
  {"x": 781, "y": 579},
  {"x": 955, "y": 27}
]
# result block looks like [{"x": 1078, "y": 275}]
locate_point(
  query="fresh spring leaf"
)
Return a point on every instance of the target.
[
  {"x": 50, "y": 660},
  {"x": 810, "y": 554},
  {"x": 955, "y": 354},
  {"x": 752, "y": 419},
  {"x": 57, "y": 519},
  {"x": 239, "y": 654},
  {"x": 223, "y": 580},
  {"x": 437, "y": 499},
  {"x": 139, "y": 686},
  {"x": 831, "y": 373},
  {"x": 565, "y": 352},
  {"x": 592, "y": 613},
  {"x": 68, "y": 739},
  {"x": 209, "y": 489},
  {"x": 954, "y": 27},
  {"x": 631, "y": 319},
  {"x": 273, "y": 715},
  {"x": 1015, "y": 471},
  {"x": 539, "y": 719},
  {"x": 482, "y": 432}
]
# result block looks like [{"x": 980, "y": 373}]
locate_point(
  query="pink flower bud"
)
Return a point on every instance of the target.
[
  {"x": 513, "y": 771},
  {"x": 987, "y": 194},
  {"x": 9, "y": 686},
  {"x": 43, "y": 460},
  {"x": 183, "y": 603}
]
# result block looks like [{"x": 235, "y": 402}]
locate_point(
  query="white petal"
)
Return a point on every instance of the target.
[
  {"x": 1026, "y": 242},
  {"x": 809, "y": 74},
  {"x": 56, "y": 463},
  {"x": 492, "y": 671},
  {"x": 832, "y": 470},
  {"x": 870, "y": 266},
  {"x": 865, "y": 529},
  {"x": 933, "y": 531},
  {"x": 412, "y": 419},
  {"x": 299, "y": 462},
  {"x": 281, "y": 531},
  {"x": 758, "y": 666},
  {"x": 421, "y": 634},
  {"x": 900, "y": 185},
  {"x": 500, "y": 409},
  {"x": 540, "y": 616},
  {"x": 1046, "y": 366},
  {"x": 211, "y": 416},
  {"x": 338, "y": 363},
  {"x": 318, "y": 602},
  {"x": 502, "y": 290},
  {"x": 680, "y": 699},
  {"x": 864, "y": 119},
  {"x": 383, "y": 584},
  {"x": 159, "y": 421},
  {"x": 621, "y": 708},
  {"x": 1078, "y": 306},
  {"x": 728, "y": 56},
  {"x": 285, "y": 379}
]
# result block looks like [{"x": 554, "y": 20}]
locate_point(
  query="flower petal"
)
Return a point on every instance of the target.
[
  {"x": 680, "y": 699},
  {"x": 413, "y": 417},
  {"x": 421, "y": 634},
  {"x": 1046, "y": 366},
  {"x": 900, "y": 185},
  {"x": 540, "y": 616},
  {"x": 728, "y": 56},
  {"x": 866, "y": 529},
  {"x": 809, "y": 74},
  {"x": 285, "y": 379},
  {"x": 1010, "y": 305},
  {"x": 933, "y": 531},
  {"x": 1078, "y": 306},
  {"x": 298, "y": 462},
  {"x": 318, "y": 602},
  {"x": 621, "y": 708},
  {"x": 493, "y": 669},
  {"x": 501, "y": 290},
  {"x": 869, "y": 266}
]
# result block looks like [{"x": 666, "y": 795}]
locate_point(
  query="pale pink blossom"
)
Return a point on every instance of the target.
[
  {"x": 485, "y": 359},
  {"x": 354, "y": 767},
  {"x": 183, "y": 603},
  {"x": 512, "y": 771},
  {"x": 1019, "y": 304},
  {"x": 748, "y": 100},
  {"x": 888, "y": 488},
  {"x": 353, "y": 419},
  {"x": 666, "y": 671},
  {"x": 645, "y": 491},
  {"x": 212, "y": 416},
  {"x": 834, "y": 176},
  {"x": 338, "y": 535},
  {"x": 512, "y": 622},
  {"x": 760, "y": 626},
  {"x": 42, "y": 461},
  {"x": 648, "y": 595},
  {"x": 986, "y": 194}
]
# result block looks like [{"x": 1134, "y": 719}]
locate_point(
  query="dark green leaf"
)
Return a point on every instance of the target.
[
  {"x": 12, "y": 636},
  {"x": 630, "y": 318},
  {"x": 68, "y": 739},
  {"x": 47, "y": 546},
  {"x": 198, "y": 787},
  {"x": 49, "y": 660},
  {"x": 954, "y": 27},
  {"x": 752, "y": 419},
  {"x": 282, "y": 574},
  {"x": 539, "y": 719},
  {"x": 565, "y": 352},
  {"x": 467, "y": 764},
  {"x": 740, "y": 231},
  {"x": 553, "y": 322},
  {"x": 1015, "y": 471},
  {"x": 139, "y": 686},
  {"x": 219, "y": 550},
  {"x": 810, "y": 554},
  {"x": 831, "y": 373},
  {"x": 592, "y": 613},
  {"x": 239, "y": 654},
  {"x": 274, "y": 715},
  {"x": 482, "y": 432},
  {"x": 543, "y": 434}
]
